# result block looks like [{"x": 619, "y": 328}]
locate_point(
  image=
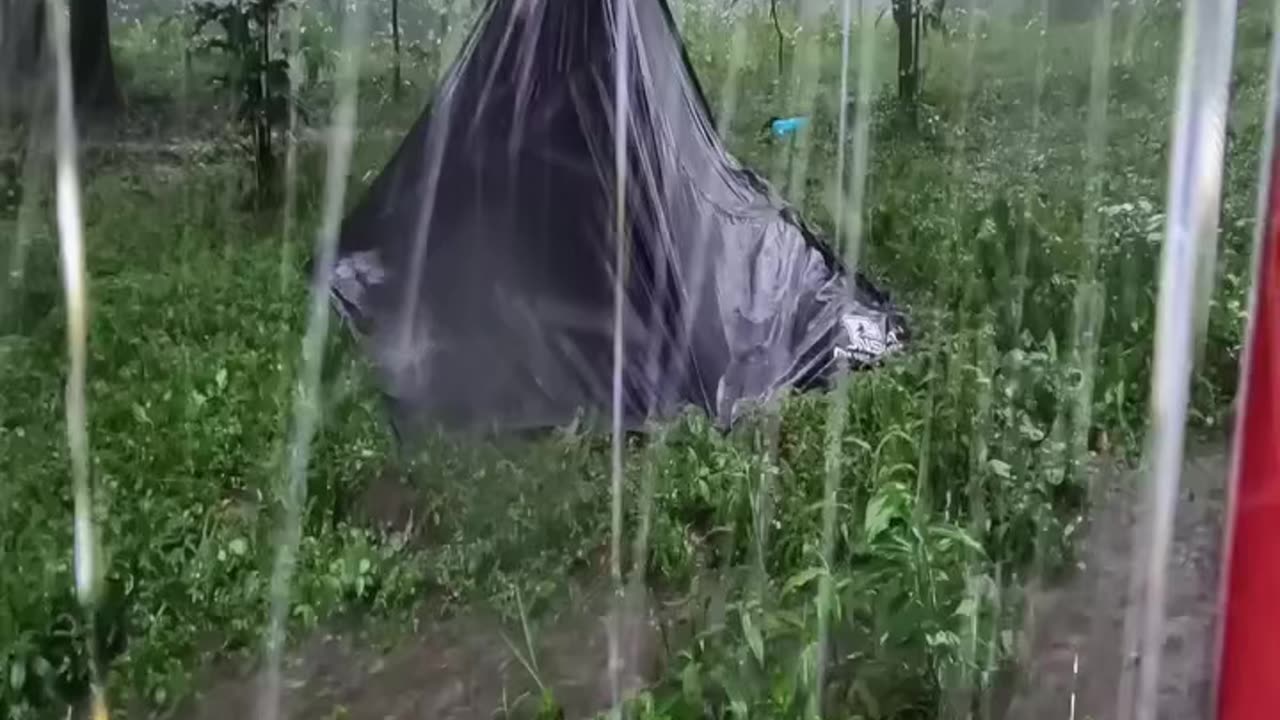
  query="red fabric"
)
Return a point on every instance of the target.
[{"x": 1249, "y": 676}]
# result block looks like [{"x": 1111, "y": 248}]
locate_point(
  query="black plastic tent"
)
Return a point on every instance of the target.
[{"x": 479, "y": 269}]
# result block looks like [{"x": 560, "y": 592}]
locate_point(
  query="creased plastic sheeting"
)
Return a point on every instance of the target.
[{"x": 478, "y": 269}]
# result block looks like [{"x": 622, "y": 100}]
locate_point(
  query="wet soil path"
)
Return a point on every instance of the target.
[
  {"x": 1076, "y": 661},
  {"x": 1081, "y": 662}
]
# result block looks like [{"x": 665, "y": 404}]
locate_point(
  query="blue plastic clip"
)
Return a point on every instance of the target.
[{"x": 783, "y": 127}]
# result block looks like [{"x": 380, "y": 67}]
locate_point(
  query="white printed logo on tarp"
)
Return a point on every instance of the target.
[
  {"x": 865, "y": 338},
  {"x": 356, "y": 272}
]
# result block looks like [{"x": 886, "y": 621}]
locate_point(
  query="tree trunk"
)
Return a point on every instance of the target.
[
  {"x": 904, "y": 16},
  {"x": 1073, "y": 11},
  {"x": 917, "y": 40},
  {"x": 93, "y": 72},
  {"x": 23, "y": 56},
  {"x": 395, "y": 42}
]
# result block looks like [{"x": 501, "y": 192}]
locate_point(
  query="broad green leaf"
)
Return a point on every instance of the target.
[
  {"x": 17, "y": 674},
  {"x": 802, "y": 578},
  {"x": 878, "y": 516},
  {"x": 754, "y": 639},
  {"x": 1000, "y": 469}
]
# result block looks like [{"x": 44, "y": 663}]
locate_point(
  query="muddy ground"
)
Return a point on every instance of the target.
[
  {"x": 1082, "y": 661},
  {"x": 1077, "y": 664},
  {"x": 470, "y": 668}
]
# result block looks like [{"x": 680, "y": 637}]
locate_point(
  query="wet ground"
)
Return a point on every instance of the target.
[
  {"x": 1077, "y": 662},
  {"x": 1082, "y": 661},
  {"x": 469, "y": 668}
]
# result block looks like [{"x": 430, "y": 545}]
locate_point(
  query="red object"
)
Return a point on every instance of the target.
[{"x": 1249, "y": 671}]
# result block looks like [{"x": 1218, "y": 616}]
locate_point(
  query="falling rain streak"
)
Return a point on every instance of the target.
[
  {"x": 622, "y": 18},
  {"x": 307, "y": 400},
  {"x": 88, "y": 551},
  {"x": 850, "y": 247},
  {"x": 1194, "y": 201}
]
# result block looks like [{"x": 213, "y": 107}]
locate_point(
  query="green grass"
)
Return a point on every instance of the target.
[{"x": 961, "y": 465}]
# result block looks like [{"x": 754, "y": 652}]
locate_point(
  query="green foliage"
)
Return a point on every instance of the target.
[
  {"x": 185, "y": 462},
  {"x": 256, "y": 74}
]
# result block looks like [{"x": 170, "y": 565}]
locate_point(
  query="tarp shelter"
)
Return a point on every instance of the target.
[{"x": 479, "y": 269}]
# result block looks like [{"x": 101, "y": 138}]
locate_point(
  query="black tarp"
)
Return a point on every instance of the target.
[{"x": 478, "y": 269}]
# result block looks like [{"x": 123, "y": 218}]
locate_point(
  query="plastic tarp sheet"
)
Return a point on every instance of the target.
[{"x": 479, "y": 268}]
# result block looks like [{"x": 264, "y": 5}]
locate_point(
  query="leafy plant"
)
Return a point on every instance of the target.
[{"x": 256, "y": 75}]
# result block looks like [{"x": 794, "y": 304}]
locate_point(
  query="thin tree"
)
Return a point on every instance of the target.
[
  {"x": 905, "y": 15},
  {"x": 22, "y": 55},
  {"x": 913, "y": 18},
  {"x": 93, "y": 71},
  {"x": 395, "y": 43},
  {"x": 1074, "y": 11}
]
